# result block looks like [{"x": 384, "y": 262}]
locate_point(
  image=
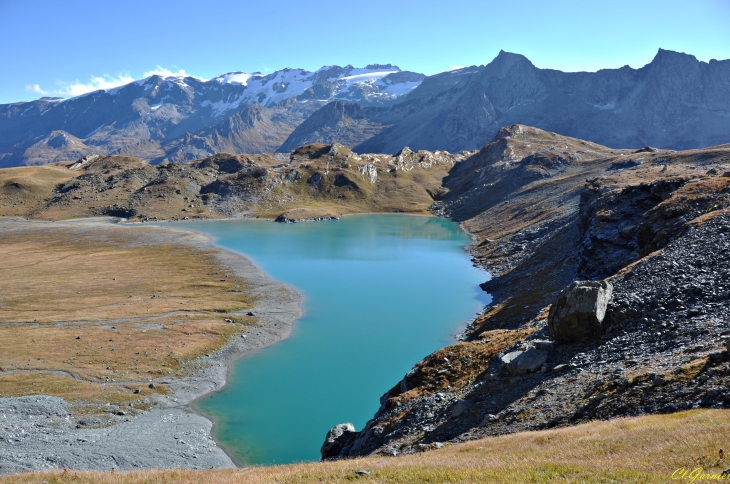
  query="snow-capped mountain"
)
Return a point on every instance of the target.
[
  {"x": 374, "y": 84},
  {"x": 674, "y": 102},
  {"x": 158, "y": 117}
]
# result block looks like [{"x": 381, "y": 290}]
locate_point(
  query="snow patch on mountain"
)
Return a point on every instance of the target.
[
  {"x": 236, "y": 78},
  {"x": 346, "y": 83},
  {"x": 221, "y": 107},
  {"x": 398, "y": 89}
]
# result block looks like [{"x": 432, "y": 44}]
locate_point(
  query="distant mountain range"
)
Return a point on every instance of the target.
[{"x": 674, "y": 102}]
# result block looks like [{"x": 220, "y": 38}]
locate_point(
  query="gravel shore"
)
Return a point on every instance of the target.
[{"x": 37, "y": 432}]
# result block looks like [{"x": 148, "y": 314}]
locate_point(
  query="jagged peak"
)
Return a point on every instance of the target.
[
  {"x": 508, "y": 59},
  {"x": 664, "y": 55}
]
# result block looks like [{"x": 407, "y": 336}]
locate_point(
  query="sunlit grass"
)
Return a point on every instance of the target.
[{"x": 632, "y": 450}]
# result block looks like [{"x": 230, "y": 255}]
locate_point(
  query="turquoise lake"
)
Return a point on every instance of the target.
[{"x": 380, "y": 292}]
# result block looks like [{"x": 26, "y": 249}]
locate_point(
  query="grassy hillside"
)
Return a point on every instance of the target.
[{"x": 652, "y": 449}]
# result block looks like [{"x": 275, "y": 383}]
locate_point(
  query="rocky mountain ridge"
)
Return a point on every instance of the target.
[
  {"x": 313, "y": 182},
  {"x": 674, "y": 102}
]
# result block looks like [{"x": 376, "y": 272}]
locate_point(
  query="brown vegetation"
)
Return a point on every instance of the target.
[
  {"x": 22, "y": 189},
  {"x": 93, "y": 315}
]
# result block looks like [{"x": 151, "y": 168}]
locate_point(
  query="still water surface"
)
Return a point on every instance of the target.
[{"x": 380, "y": 292}]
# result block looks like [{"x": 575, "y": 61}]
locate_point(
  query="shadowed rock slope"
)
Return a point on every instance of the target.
[{"x": 336, "y": 122}]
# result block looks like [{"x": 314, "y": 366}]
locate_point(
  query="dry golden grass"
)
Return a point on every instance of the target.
[
  {"x": 642, "y": 450},
  {"x": 23, "y": 188},
  {"x": 79, "y": 310}
]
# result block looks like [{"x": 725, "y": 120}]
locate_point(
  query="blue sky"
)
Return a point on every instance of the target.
[{"x": 68, "y": 47}]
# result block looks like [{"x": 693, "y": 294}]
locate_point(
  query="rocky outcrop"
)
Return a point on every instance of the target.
[
  {"x": 83, "y": 161},
  {"x": 307, "y": 215},
  {"x": 577, "y": 315},
  {"x": 338, "y": 442}
]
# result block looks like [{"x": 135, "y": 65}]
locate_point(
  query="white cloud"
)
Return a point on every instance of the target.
[
  {"x": 36, "y": 89},
  {"x": 95, "y": 83},
  {"x": 76, "y": 88},
  {"x": 454, "y": 67},
  {"x": 106, "y": 81},
  {"x": 164, "y": 72}
]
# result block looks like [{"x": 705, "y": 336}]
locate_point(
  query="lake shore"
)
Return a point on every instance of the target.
[
  {"x": 325, "y": 255},
  {"x": 172, "y": 434}
]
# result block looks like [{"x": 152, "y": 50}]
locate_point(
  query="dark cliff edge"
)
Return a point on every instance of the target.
[{"x": 546, "y": 211}]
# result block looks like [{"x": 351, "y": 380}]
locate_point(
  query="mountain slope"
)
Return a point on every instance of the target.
[
  {"x": 546, "y": 210},
  {"x": 336, "y": 122}
]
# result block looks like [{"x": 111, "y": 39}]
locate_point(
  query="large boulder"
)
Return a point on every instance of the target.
[
  {"x": 523, "y": 362},
  {"x": 338, "y": 441},
  {"x": 578, "y": 313}
]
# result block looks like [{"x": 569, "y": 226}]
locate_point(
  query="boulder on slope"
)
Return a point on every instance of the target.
[{"x": 578, "y": 313}]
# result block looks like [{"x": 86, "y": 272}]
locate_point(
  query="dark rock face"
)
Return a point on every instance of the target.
[
  {"x": 338, "y": 442},
  {"x": 620, "y": 224},
  {"x": 348, "y": 124},
  {"x": 316, "y": 180},
  {"x": 674, "y": 102},
  {"x": 578, "y": 313}
]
